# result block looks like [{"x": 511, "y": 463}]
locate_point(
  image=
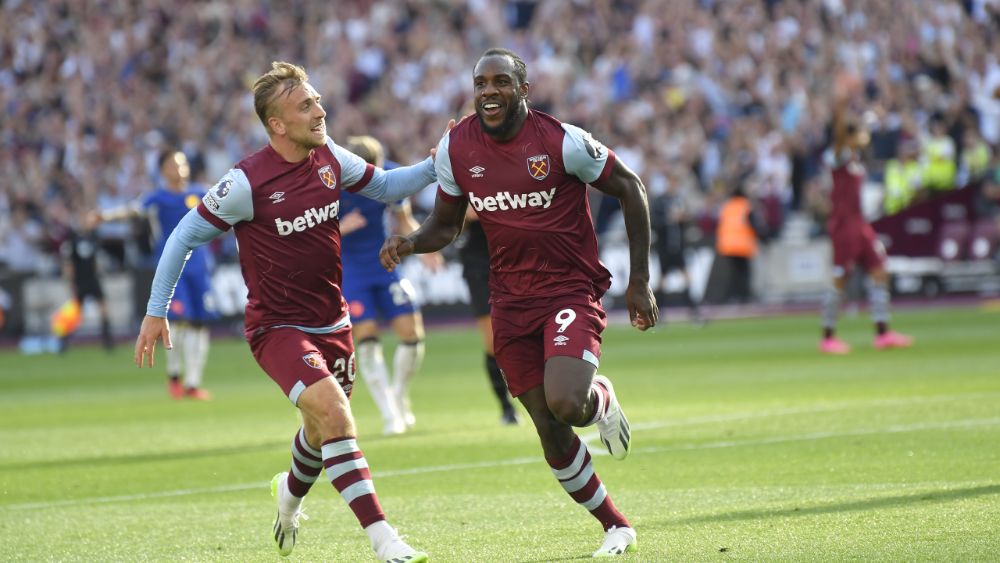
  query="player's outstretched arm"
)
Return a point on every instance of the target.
[
  {"x": 625, "y": 185},
  {"x": 443, "y": 225},
  {"x": 192, "y": 231},
  {"x": 402, "y": 182}
]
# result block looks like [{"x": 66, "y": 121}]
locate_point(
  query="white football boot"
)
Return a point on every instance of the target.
[
  {"x": 392, "y": 549},
  {"x": 616, "y": 542},
  {"x": 286, "y": 525},
  {"x": 405, "y": 409},
  {"x": 615, "y": 432}
]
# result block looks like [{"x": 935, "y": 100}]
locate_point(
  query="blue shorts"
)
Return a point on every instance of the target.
[
  {"x": 190, "y": 302},
  {"x": 377, "y": 294}
]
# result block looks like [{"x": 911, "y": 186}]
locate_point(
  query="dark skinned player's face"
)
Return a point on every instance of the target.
[{"x": 501, "y": 99}]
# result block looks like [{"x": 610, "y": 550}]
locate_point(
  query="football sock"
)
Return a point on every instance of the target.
[
  {"x": 878, "y": 302},
  {"x": 499, "y": 385},
  {"x": 601, "y": 400},
  {"x": 348, "y": 471},
  {"x": 575, "y": 473},
  {"x": 831, "y": 306},
  {"x": 372, "y": 367},
  {"x": 406, "y": 362},
  {"x": 307, "y": 463},
  {"x": 175, "y": 357},
  {"x": 195, "y": 354}
]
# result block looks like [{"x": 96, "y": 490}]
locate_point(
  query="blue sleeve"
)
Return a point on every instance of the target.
[
  {"x": 393, "y": 185},
  {"x": 192, "y": 231}
]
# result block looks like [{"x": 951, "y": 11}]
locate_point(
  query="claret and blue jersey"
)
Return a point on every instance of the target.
[{"x": 531, "y": 197}]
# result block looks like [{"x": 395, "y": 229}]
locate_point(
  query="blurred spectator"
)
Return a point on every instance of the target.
[
  {"x": 90, "y": 92},
  {"x": 988, "y": 202},
  {"x": 21, "y": 241},
  {"x": 669, "y": 218},
  {"x": 939, "y": 157},
  {"x": 903, "y": 178},
  {"x": 976, "y": 157}
]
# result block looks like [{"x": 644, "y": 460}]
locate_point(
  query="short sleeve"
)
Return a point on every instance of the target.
[
  {"x": 584, "y": 157},
  {"x": 228, "y": 202},
  {"x": 442, "y": 166}
]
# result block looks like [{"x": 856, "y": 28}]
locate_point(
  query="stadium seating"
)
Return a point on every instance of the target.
[
  {"x": 953, "y": 241},
  {"x": 984, "y": 240}
]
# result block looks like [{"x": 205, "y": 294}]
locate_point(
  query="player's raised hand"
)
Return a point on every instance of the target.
[
  {"x": 642, "y": 310},
  {"x": 451, "y": 123},
  {"x": 152, "y": 329},
  {"x": 394, "y": 249}
]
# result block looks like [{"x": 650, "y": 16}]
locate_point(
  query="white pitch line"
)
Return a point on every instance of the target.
[
  {"x": 591, "y": 438},
  {"x": 894, "y": 429}
]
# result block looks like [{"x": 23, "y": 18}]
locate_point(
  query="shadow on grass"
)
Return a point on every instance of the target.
[
  {"x": 586, "y": 557},
  {"x": 865, "y": 504},
  {"x": 151, "y": 457}
]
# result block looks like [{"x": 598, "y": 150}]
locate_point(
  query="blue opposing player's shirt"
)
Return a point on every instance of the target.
[
  {"x": 165, "y": 209},
  {"x": 360, "y": 248}
]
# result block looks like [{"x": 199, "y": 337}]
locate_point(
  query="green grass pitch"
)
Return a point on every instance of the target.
[{"x": 748, "y": 445}]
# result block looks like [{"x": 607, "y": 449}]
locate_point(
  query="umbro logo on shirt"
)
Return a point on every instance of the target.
[
  {"x": 561, "y": 340},
  {"x": 477, "y": 171},
  {"x": 277, "y": 197}
]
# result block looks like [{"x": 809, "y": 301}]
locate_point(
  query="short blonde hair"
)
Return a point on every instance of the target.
[
  {"x": 368, "y": 148},
  {"x": 280, "y": 79}
]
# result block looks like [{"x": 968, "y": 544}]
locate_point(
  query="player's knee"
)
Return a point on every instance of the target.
[
  {"x": 334, "y": 422},
  {"x": 567, "y": 409},
  {"x": 409, "y": 328},
  {"x": 327, "y": 413}
]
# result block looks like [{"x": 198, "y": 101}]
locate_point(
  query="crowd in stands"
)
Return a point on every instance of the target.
[{"x": 704, "y": 93}]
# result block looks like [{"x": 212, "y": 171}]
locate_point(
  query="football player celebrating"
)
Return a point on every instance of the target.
[
  {"x": 853, "y": 240},
  {"x": 283, "y": 202},
  {"x": 526, "y": 175}
]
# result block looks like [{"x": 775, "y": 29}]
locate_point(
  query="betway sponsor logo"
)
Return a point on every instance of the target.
[
  {"x": 505, "y": 201},
  {"x": 307, "y": 220}
]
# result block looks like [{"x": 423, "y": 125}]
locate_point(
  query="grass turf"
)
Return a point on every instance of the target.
[{"x": 747, "y": 445}]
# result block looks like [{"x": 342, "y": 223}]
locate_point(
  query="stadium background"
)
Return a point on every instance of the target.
[
  {"x": 697, "y": 93},
  {"x": 748, "y": 443}
]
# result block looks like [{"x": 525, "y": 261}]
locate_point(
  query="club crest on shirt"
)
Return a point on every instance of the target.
[
  {"x": 326, "y": 175},
  {"x": 313, "y": 360},
  {"x": 222, "y": 188},
  {"x": 538, "y": 166}
]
